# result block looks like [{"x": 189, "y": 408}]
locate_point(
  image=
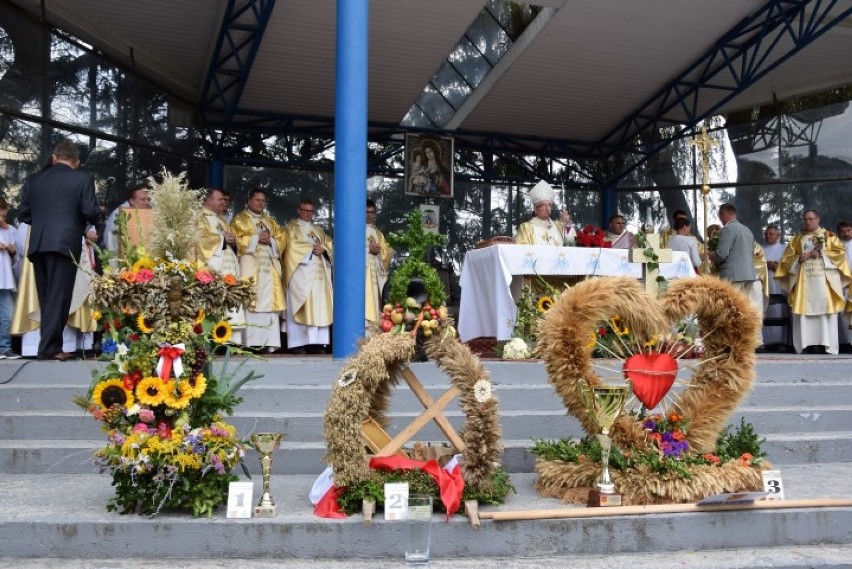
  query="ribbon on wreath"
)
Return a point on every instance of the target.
[
  {"x": 449, "y": 478},
  {"x": 170, "y": 358}
]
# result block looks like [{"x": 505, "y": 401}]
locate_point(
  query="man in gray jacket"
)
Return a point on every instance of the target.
[{"x": 734, "y": 256}]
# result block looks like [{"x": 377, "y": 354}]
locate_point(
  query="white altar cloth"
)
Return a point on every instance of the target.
[{"x": 491, "y": 279}]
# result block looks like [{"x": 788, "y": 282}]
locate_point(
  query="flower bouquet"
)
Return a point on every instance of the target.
[
  {"x": 158, "y": 398},
  {"x": 591, "y": 236}
]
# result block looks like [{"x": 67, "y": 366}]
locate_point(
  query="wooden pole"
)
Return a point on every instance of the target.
[{"x": 660, "y": 509}]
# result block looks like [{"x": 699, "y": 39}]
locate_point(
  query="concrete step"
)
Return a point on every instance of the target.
[
  {"x": 53, "y": 456},
  {"x": 322, "y": 370},
  {"x": 513, "y": 397},
  {"x": 308, "y": 427},
  {"x": 51, "y": 516},
  {"x": 822, "y": 556}
]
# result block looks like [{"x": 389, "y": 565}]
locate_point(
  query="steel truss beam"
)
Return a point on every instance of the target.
[
  {"x": 236, "y": 48},
  {"x": 743, "y": 56}
]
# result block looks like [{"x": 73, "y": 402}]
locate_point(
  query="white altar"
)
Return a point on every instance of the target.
[{"x": 491, "y": 279}]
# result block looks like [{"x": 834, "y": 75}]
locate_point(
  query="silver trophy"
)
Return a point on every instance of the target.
[{"x": 604, "y": 403}]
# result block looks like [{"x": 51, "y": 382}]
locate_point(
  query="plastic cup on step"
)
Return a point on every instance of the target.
[{"x": 419, "y": 529}]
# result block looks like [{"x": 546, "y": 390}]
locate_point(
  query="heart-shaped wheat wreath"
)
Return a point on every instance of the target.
[{"x": 730, "y": 329}]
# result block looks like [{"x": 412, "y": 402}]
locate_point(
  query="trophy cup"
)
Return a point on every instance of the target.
[
  {"x": 265, "y": 444},
  {"x": 604, "y": 404}
]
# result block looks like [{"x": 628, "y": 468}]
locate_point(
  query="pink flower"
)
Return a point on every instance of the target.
[
  {"x": 140, "y": 428},
  {"x": 144, "y": 275},
  {"x": 146, "y": 415},
  {"x": 204, "y": 277}
]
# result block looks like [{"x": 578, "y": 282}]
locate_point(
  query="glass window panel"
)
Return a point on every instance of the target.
[
  {"x": 434, "y": 105},
  {"x": 19, "y": 157},
  {"x": 469, "y": 62},
  {"x": 416, "y": 117},
  {"x": 489, "y": 37},
  {"x": 21, "y": 61},
  {"x": 73, "y": 75},
  {"x": 451, "y": 85}
]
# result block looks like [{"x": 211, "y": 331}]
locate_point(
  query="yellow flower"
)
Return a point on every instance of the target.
[
  {"x": 179, "y": 396},
  {"x": 652, "y": 342},
  {"x": 618, "y": 326},
  {"x": 96, "y": 314},
  {"x": 199, "y": 318},
  {"x": 143, "y": 263},
  {"x": 544, "y": 303},
  {"x": 143, "y": 324},
  {"x": 198, "y": 385},
  {"x": 593, "y": 340},
  {"x": 221, "y": 332},
  {"x": 151, "y": 391},
  {"x": 111, "y": 392}
]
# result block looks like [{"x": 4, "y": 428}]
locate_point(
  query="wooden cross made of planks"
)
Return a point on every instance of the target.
[{"x": 433, "y": 411}]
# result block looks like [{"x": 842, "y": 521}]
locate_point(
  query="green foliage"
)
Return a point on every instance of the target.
[
  {"x": 735, "y": 442},
  {"x": 419, "y": 483},
  {"x": 189, "y": 491},
  {"x": 416, "y": 241}
]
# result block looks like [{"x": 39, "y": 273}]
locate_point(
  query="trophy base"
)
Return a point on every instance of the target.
[
  {"x": 264, "y": 511},
  {"x": 598, "y": 499}
]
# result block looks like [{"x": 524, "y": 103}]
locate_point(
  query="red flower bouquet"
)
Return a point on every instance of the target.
[{"x": 591, "y": 236}]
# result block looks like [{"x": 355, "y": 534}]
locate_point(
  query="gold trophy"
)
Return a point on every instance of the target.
[
  {"x": 604, "y": 404},
  {"x": 265, "y": 444}
]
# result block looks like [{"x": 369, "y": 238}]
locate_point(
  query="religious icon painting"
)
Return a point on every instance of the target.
[
  {"x": 428, "y": 165},
  {"x": 431, "y": 215}
]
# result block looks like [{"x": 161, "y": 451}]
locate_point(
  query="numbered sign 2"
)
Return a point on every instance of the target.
[
  {"x": 772, "y": 484},
  {"x": 396, "y": 501}
]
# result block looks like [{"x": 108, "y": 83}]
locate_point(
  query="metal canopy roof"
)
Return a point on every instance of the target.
[{"x": 591, "y": 68}]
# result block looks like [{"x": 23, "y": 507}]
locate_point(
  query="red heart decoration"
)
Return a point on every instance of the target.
[{"x": 651, "y": 376}]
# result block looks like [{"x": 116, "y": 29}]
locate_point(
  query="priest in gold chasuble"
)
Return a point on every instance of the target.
[
  {"x": 813, "y": 271},
  {"x": 216, "y": 248},
  {"x": 260, "y": 243},
  {"x": 307, "y": 276},
  {"x": 540, "y": 229}
]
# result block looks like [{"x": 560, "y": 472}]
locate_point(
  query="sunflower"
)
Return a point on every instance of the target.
[
  {"x": 144, "y": 325},
  {"x": 199, "y": 317},
  {"x": 198, "y": 385},
  {"x": 178, "y": 398},
  {"x": 96, "y": 315},
  {"x": 112, "y": 392},
  {"x": 221, "y": 332},
  {"x": 151, "y": 391},
  {"x": 593, "y": 340},
  {"x": 618, "y": 326},
  {"x": 544, "y": 303}
]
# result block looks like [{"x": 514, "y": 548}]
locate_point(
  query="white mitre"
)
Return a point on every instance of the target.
[{"x": 542, "y": 192}]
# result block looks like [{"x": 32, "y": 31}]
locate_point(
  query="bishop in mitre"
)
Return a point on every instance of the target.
[
  {"x": 813, "y": 271},
  {"x": 307, "y": 274},
  {"x": 260, "y": 243},
  {"x": 540, "y": 229},
  {"x": 379, "y": 255},
  {"x": 216, "y": 248}
]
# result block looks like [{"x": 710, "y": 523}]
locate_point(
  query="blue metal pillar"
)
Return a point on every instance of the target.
[
  {"x": 350, "y": 174},
  {"x": 609, "y": 205},
  {"x": 216, "y": 174}
]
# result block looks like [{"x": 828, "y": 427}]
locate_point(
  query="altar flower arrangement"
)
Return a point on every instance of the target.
[
  {"x": 159, "y": 399},
  {"x": 591, "y": 236},
  {"x": 516, "y": 349}
]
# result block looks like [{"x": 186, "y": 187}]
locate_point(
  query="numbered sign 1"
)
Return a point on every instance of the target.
[
  {"x": 772, "y": 484},
  {"x": 239, "y": 499},
  {"x": 396, "y": 501}
]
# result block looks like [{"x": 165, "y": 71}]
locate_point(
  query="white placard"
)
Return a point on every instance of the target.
[
  {"x": 240, "y": 499},
  {"x": 772, "y": 484},
  {"x": 733, "y": 498},
  {"x": 396, "y": 501}
]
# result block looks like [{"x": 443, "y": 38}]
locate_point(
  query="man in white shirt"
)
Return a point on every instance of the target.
[{"x": 618, "y": 235}]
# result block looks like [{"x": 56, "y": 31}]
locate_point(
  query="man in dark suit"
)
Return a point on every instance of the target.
[{"x": 58, "y": 203}]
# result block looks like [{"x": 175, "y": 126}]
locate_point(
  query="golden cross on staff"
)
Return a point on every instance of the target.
[{"x": 705, "y": 144}]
